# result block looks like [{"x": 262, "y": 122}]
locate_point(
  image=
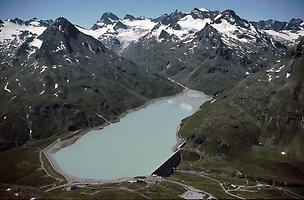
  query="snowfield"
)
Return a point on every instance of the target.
[
  {"x": 136, "y": 29},
  {"x": 10, "y": 30},
  {"x": 128, "y": 31}
]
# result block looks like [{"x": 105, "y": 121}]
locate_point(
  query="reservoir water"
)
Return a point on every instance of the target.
[{"x": 135, "y": 146}]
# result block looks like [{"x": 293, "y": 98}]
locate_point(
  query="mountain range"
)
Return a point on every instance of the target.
[
  {"x": 204, "y": 50},
  {"x": 63, "y": 80},
  {"x": 45, "y": 63},
  {"x": 57, "y": 78}
]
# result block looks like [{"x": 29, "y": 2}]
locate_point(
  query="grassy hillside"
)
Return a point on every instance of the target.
[{"x": 256, "y": 127}]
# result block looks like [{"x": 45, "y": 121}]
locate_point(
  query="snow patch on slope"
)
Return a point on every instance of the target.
[
  {"x": 191, "y": 24},
  {"x": 136, "y": 29},
  {"x": 285, "y": 34},
  {"x": 6, "y": 89},
  {"x": 230, "y": 31},
  {"x": 203, "y": 10},
  {"x": 36, "y": 43}
]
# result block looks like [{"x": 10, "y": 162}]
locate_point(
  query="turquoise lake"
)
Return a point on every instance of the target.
[{"x": 135, "y": 146}]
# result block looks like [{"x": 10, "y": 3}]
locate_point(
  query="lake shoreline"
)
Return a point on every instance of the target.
[{"x": 69, "y": 140}]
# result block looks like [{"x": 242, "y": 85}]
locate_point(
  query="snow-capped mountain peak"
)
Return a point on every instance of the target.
[
  {"x": 117, "y": 34},
  {"x": 282, "y": 31},
  {"x": 106, "y": 19},
  {"x": 203, "y": 9},
  {"x": 171, "y": 18},
  {"x": 16, "y": 21},
  {"x": 16, "y": 32},
  {"x": 129, "y": 17}
]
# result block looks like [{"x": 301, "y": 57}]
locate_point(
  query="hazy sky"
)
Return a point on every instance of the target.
[{"x": 86, "y": 12}]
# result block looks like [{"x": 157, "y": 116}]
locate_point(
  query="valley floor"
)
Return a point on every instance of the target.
[{"x": 26, "y": 173}]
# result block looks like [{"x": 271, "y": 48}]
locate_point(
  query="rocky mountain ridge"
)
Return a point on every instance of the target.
[
  {"x": 257, "y": 124},
  {"x": 68, "y": 81},
  {"x": 172, "y": 45},
  {"x": 204, "y": 50}
]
